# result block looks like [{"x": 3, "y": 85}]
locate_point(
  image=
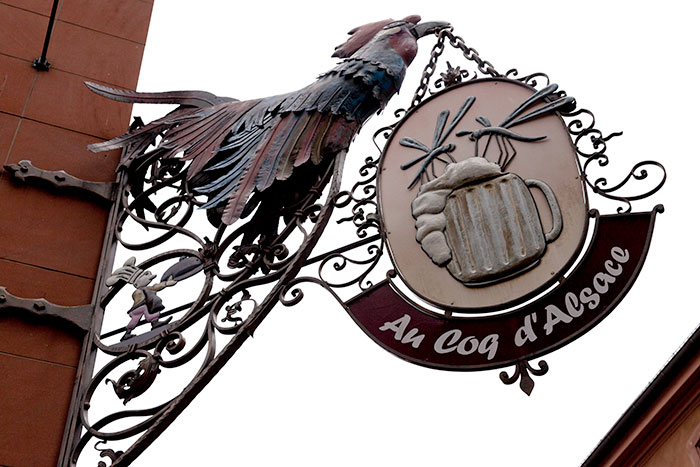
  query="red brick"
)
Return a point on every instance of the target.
[
  {"x": 62, "y": 99},
  {"x": 43, "y": 7},
  {"x": 127, "y": 19},
  {"x": 22, "y": 32},
  {"x": 40, "y": 339},
  {"x": 34, "y": 402},
  {"x": 52, "y": 148},
  {"x": 16, "y": 78},
  {"x": 95, "y": 55},
  {"x": 55, "y": 231},
  {"x": 8, "y": 126},
  {"x": 22, "y": 280}
]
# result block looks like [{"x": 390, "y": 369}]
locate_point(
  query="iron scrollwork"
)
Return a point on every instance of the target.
[
  {"x": 591, "y": 145},
  {"x": 590, "y": 142},
  {"x": 239, "y": 283},
  {"x": 334, "y": 267}
]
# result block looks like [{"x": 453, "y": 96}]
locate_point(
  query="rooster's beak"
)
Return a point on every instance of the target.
[{"x": 430, "y": 27}]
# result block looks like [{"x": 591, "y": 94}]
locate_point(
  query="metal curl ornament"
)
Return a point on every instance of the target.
[
  {"x": 530, "y": 80},
  {"x": 109, "y": 453},
  {"x": 638, "y": 172},
  {"x": 340, "y": 261},
  {"x": 296, "y": 295}
]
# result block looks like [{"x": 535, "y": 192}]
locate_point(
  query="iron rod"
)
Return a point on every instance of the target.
[
  {"x": 41, "y": 63},
  {"x": 73, "y": 427}
]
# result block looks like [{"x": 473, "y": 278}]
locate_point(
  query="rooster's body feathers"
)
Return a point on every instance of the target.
[{"x": 240, "y": 147}]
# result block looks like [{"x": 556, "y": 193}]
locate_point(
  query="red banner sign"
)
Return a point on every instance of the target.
[{"x": 580, "y": 301}]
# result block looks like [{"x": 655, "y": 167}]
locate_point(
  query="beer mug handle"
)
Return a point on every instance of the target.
[{"x": 553, "y": 207}]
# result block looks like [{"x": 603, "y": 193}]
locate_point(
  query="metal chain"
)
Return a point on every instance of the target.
[
  {"x": 484, "y": 66},
  {"x": 429, "y": 69}
]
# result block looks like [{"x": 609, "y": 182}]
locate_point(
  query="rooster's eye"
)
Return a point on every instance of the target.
[
  {"x": 394, "y": 25},
  {"x": 389, "y": 32}
]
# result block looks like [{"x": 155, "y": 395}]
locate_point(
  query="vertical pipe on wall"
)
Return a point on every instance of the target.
[{"x": 41, "y": 63}]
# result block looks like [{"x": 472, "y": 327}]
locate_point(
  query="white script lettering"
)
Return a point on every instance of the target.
[
  {"x": 575, "y": 304},
  {"x": 399, "y": 327},
  {"x": 451, "y": 341}
]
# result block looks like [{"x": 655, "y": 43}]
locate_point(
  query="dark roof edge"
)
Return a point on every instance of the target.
[{"x": 688, "y": 351}]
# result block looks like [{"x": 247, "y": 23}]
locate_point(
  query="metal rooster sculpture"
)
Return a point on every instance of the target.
[{"x": 275, "y": 148}]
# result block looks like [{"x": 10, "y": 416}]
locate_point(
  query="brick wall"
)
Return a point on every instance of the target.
[{"x": 50, "y": 243}]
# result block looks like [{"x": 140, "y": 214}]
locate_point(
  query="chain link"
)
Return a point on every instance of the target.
[
  {"x": 429, "y": 69},
  {"x": 484, "y": 66}
]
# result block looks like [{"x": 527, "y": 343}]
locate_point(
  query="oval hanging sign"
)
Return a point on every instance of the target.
[
  {"x": 483, "y": 207},
  {"x": 481, "y": 195}
]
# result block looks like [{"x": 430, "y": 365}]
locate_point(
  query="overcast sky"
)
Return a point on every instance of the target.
[{"x": 311, "y": 388}]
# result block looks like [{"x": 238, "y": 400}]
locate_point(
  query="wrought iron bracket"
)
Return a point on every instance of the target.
[
  {"x": 78, "y": 316},
  {"x": 24, "y": 171}
]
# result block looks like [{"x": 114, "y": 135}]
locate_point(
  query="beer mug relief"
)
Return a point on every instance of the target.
[
  {"x": 312, "y": 389},
  {"x": 483, "y": 201}
]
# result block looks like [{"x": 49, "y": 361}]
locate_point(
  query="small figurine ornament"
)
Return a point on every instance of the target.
[{"x": 147, "y": 304}]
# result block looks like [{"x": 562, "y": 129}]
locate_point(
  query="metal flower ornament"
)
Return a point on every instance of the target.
[{"x": 232, "y": 197}]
